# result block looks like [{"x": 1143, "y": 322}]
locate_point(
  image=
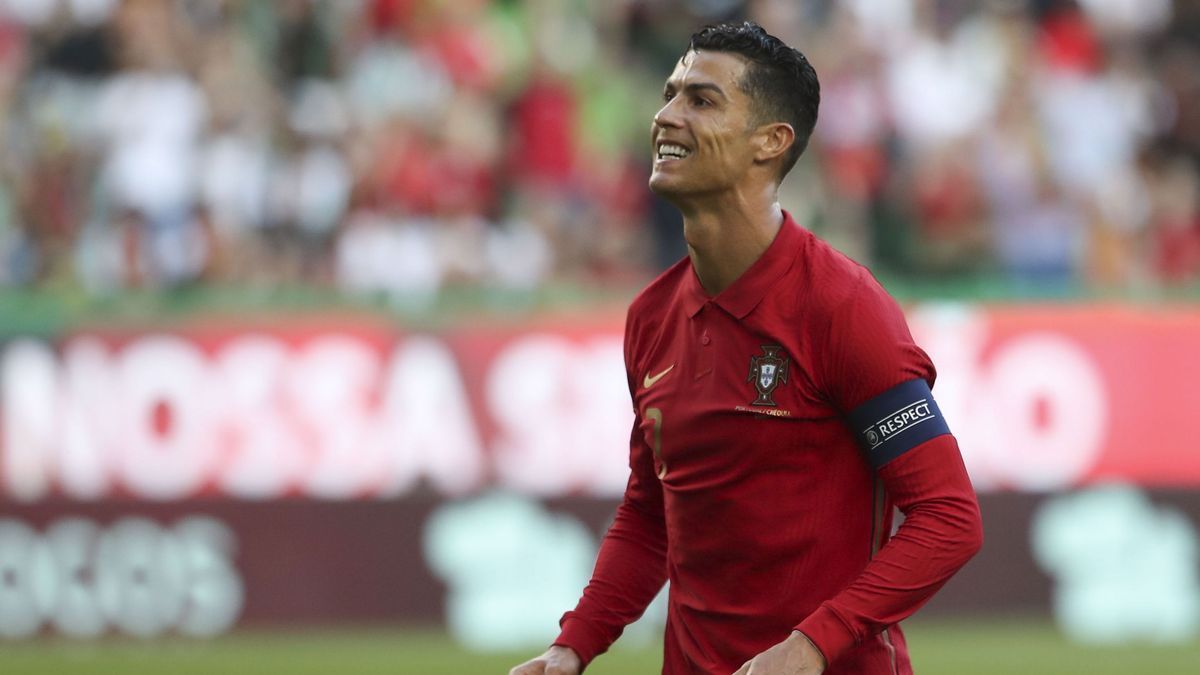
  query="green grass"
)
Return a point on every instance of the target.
[
  {"x": 938, "y": 648},
  {"x": 996, "y": 647}
]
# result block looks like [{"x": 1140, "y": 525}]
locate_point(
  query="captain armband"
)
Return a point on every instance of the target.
[{"x": 897, "y": 421}]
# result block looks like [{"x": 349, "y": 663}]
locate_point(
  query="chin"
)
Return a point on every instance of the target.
[{"x": 664, "y": 186}]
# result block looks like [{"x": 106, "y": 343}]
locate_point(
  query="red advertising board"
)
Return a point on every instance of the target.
[
  {"x": 1052, "y": 397},
  {"x": 1041, "y": 398},
  {"x": 189, "y": 478}
]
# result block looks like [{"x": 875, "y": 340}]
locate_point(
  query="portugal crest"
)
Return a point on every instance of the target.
[{"x": 766, "y": 372}]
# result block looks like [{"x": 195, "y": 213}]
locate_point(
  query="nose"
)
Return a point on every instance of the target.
[{"x": 666, "y": 115}]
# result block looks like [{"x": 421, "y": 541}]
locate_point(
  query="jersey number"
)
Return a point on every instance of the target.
[{"x": 656, "y": 415}]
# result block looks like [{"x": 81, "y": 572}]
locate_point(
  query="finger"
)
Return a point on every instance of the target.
[{"x": 535, "y": 667}]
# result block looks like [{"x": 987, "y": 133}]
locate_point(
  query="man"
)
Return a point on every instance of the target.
[{"x": 782, "y": 411}]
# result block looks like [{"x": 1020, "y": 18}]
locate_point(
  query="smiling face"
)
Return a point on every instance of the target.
[{"x": 703, "y": 136}]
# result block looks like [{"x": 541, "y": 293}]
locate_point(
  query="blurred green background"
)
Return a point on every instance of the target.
[{"x": 987, "y": 646}]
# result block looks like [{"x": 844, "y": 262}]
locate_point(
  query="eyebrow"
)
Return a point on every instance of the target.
[{"x": 693, "y": 87}]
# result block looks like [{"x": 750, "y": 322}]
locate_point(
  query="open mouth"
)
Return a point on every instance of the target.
[{"x": 669, "y": 151}]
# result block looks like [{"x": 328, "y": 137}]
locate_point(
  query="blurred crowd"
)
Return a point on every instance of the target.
[{"x": 402, "y": 147}]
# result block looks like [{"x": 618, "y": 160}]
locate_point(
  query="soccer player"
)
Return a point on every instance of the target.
[{"x": 782, "y": 412}]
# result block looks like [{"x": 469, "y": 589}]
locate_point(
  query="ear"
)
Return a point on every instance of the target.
[{"x": 774, "y": 140}]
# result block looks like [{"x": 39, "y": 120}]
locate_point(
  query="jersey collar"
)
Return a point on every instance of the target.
[{"x": 744, "y": 294}]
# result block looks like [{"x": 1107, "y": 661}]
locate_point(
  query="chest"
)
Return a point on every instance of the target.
[{"x": 722, "y": 398}]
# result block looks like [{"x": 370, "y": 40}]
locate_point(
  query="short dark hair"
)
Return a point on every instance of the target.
[{"x": 779, "y": 79}]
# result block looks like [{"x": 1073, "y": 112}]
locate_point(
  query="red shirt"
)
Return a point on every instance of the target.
[{"x": 749, "y": 489}]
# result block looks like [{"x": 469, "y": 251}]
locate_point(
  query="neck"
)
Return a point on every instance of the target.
[{"x": 725, "y": 240}]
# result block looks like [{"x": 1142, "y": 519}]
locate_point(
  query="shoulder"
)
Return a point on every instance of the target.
[
  {"x": 647, "y": 306},
  {"x": 835, "y": 284},
  {"x": 860, "y": 333}
]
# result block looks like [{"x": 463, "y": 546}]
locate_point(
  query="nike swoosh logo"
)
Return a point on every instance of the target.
[{"x": 649, "y": 380}]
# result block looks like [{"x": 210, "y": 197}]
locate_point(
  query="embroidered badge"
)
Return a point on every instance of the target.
[{"x": 767, "y": 372}]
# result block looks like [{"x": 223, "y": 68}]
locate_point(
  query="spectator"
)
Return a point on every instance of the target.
[{"x": 401, "y": 146}]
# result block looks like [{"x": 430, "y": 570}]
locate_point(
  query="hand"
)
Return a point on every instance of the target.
[
  {"x": 556, "y": 661},
  {"x": 796, "y": 655}
]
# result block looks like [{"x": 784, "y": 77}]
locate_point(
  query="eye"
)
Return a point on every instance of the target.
[
  {"x": 701, "y": 102},
  {"x": 668, "y": 95}
]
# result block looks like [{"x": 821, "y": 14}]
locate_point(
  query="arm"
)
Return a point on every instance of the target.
[
  {"x": 631, "y": 566},
  {"x": 874, "y": 370},
  {"x": 630, "y": 570},
  {"x": 941, "y": 531}
]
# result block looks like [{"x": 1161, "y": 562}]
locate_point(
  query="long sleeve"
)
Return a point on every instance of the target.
[
  {"x": 630, "y": 570},
  {"x": 871, "y": 373},
  {"x": 631, "y": 566},
  {"x": 941, "y": 531}
]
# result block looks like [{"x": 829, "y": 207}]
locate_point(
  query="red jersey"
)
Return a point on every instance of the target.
[{"x": 777, "y": 425}]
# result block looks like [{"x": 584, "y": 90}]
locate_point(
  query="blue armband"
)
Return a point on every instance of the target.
[{"x": 897, "y": 421}]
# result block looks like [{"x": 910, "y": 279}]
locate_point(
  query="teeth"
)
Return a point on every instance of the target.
[{"x": 672, "y": 150}]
